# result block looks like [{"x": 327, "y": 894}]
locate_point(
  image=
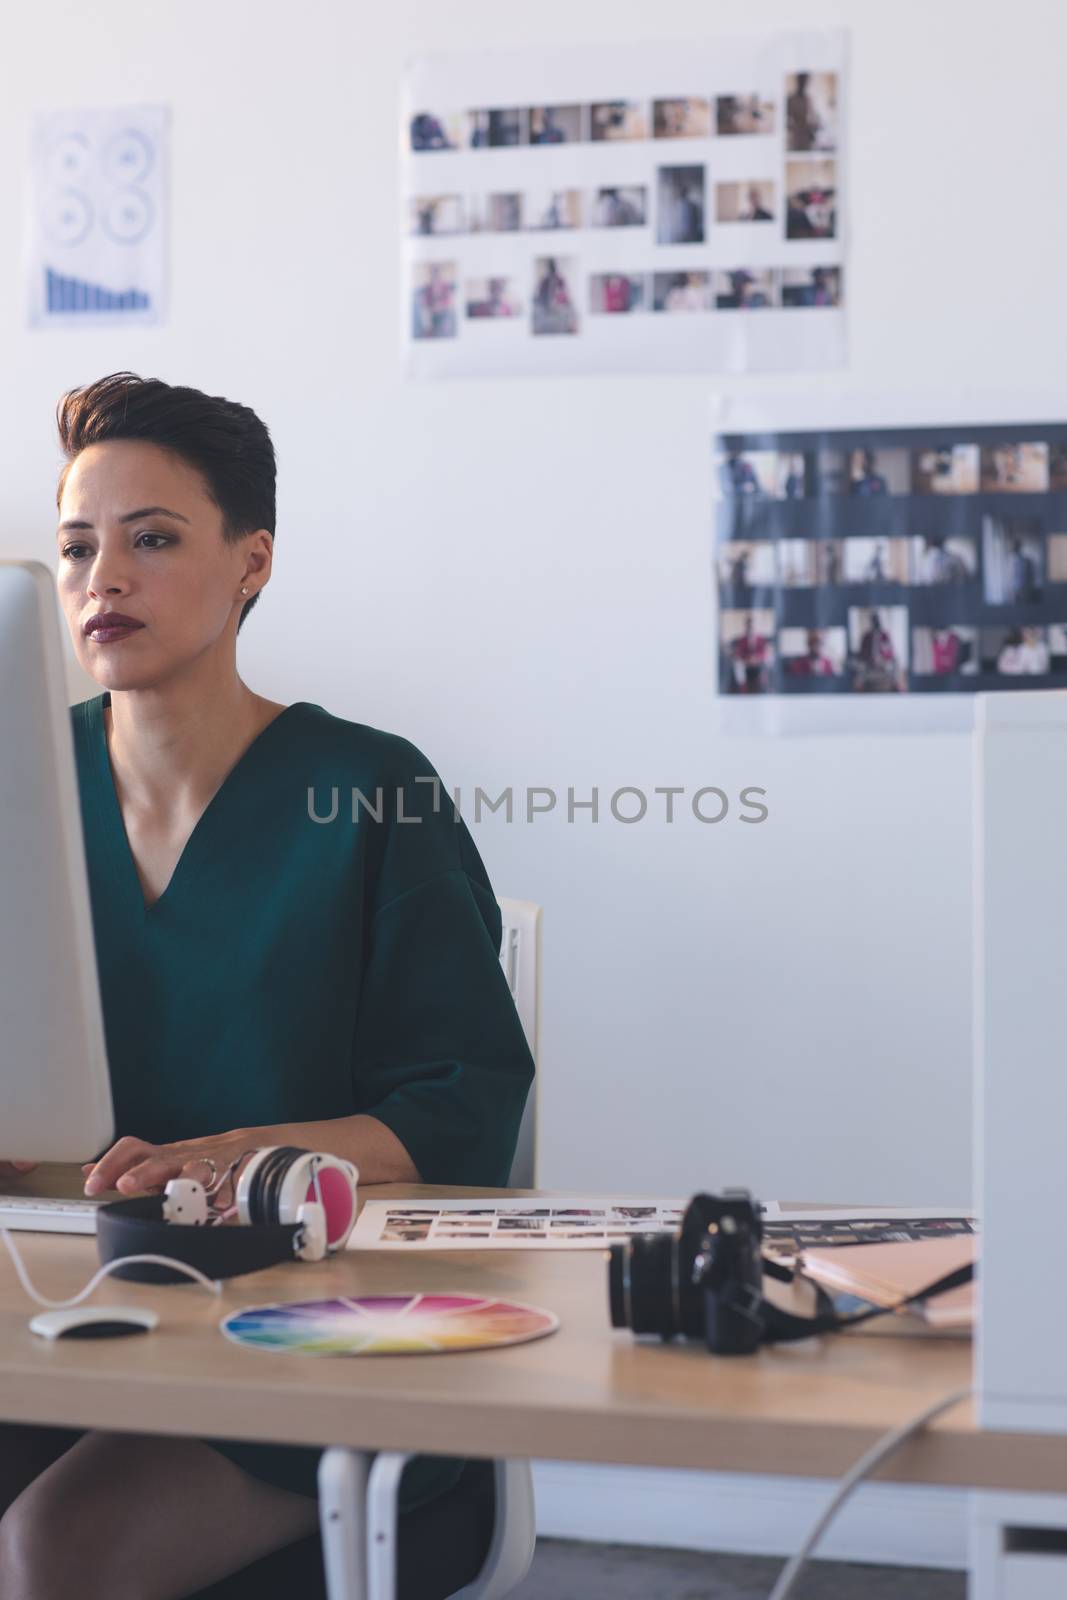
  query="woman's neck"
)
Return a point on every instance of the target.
[{"x": 171, "y": 746}]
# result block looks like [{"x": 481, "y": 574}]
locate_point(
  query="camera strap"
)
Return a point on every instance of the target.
[{"x": 781, "y": 1326}]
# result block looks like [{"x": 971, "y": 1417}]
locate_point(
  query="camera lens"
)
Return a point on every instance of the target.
[
  {"x": 647, "y": 1290},
  {"x": 617, "y": 1290}
]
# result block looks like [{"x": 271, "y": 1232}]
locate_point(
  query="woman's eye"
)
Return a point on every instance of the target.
[{"x": 74, "y": 552}]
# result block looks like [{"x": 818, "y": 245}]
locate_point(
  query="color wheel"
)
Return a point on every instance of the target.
[{"x": 388, "y": 1324}]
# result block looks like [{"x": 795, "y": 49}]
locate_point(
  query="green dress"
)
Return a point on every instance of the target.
[{"x": 328, "y": 944}]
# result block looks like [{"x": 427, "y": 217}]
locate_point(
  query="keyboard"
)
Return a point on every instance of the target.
[{"x": 43, "y": 1214}]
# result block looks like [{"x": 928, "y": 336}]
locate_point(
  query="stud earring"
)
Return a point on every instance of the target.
[{"x": 244, "y": 591}]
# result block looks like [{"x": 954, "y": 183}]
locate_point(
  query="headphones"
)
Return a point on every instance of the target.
[{"x": 290, "y": 1204}]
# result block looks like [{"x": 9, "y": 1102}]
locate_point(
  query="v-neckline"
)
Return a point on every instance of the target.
[{"x": 123, "y": 851}]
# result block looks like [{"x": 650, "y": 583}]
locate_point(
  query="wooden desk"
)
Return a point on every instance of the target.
[{"x": 587, "y": 1393}]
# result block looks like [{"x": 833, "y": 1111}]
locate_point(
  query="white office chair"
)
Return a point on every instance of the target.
[
  {"x": 520, "y": 957},
  {"x": 360, "y": 1553}
]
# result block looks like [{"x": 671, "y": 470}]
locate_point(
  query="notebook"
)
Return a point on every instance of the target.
[{"x": 886, "y": 1273}]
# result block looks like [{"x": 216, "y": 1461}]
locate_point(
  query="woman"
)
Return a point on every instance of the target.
[
  {"x": 279, "y": 963},
  {"x": 876, "y": 665},
  {"x": 1024, "y": 651}
]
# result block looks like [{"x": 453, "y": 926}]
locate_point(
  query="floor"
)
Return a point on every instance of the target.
[{"x": 566, "y": 1570}]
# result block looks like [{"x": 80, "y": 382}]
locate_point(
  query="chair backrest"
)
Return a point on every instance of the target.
[{"x": 520, "y": 957}]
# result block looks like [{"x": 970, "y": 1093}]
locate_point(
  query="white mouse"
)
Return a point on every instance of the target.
[{"x": 93, "y": 1322}]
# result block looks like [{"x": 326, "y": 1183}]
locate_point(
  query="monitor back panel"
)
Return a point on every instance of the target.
[{"x": 55, "y": 1098}]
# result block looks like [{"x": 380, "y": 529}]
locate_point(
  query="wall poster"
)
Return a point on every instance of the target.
[
  {"x": 630, "y": 208},
  {"x": 918, "y": 562},
  {"x": 96, "y": 246}
]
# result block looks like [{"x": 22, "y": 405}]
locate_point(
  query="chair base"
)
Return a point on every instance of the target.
[{"x": 441, "y": 1547}]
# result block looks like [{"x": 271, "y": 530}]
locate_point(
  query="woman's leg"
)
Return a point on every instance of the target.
[
  {"x": 25, "y": 1452},
  {"x": 138, "y": 1517}
]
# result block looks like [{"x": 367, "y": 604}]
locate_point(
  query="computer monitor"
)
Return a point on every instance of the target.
[{"x": 55, "y": 1093}]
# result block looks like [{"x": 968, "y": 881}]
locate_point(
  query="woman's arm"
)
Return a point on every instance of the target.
[
  {"x": 133, "y": 1166},
  {"x": 371, "y": 1147}
]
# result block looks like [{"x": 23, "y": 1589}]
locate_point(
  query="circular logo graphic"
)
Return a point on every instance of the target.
[
  {"x": 66, "y": 217},
  {"x": 128, "y": 156},
  {"x": 68, "y": 160},
  {"x": 128, "y": 216}
]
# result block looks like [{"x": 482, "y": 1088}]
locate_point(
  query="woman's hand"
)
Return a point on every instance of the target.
[{"x": 135, "y": 1167}]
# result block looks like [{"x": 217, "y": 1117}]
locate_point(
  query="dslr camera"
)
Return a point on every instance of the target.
[{"x": 703, "y": 1282}]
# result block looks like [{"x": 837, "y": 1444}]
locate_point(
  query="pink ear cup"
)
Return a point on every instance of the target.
[{"x": 337, "y": 1203}]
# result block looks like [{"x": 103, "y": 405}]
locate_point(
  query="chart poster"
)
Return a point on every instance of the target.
[
  {"x": 920, "y": 564},
  {"x": 97, "y": 215},
  {"x": 622, "y": 209}
]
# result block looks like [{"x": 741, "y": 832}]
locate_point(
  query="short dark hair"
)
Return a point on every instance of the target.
[{"x": 227, "y": 443}]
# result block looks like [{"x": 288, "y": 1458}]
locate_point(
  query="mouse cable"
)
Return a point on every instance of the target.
[
  {"x": 211, "y": 1284},
  {"x": 866, "y": 1464}
]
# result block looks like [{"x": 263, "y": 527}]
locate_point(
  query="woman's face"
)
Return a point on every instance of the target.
[{"x": 139, "y": 534}]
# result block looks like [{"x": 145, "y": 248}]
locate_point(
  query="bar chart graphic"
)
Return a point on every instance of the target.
[
  {"x": 97, "y": 217},
  {"x": 72, "y": 294}
]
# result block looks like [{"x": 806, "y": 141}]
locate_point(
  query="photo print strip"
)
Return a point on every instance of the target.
[
  {"x": 898, "y": 562},
  {"x": 509, "y": 1224}
]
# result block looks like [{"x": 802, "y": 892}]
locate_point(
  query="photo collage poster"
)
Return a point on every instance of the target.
[
  {"x": 643, "y": 208},
  {"x": 96, "y": 247},
  {"x": 924, "y": 562}
]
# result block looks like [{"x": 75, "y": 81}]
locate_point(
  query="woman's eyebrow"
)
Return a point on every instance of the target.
[{"x": 130, "y": 516}]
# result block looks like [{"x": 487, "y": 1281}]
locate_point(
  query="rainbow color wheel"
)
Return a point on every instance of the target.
[{"x": 388, "y": 1325}]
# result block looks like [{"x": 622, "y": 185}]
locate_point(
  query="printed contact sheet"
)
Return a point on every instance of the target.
[
  {"x": 660, "y": 207},
  {"x": 584, "y": 1222},
  {"x": 510, "y": 1223},
  {"x": 889, "y": 562}
]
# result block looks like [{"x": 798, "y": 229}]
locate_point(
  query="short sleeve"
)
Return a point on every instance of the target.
[{"x": 439, "y": 1054}]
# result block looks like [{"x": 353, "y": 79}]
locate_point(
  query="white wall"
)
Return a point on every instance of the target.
[{"x": 516, "y": 575}]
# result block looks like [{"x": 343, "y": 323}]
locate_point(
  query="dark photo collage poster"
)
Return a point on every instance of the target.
[{"x": 892, "y": 560}]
